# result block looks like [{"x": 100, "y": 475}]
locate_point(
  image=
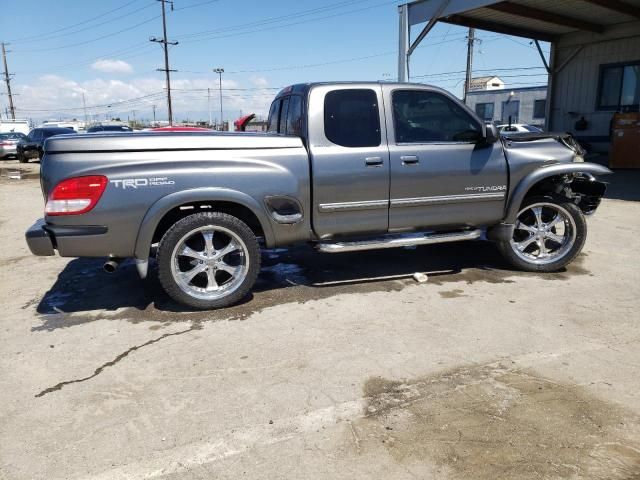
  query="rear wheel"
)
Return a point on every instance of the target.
[
  {"x": 208, "y": 260},
  {"x": 22, "y": 158},
  {"x": 549, "y": 234}
]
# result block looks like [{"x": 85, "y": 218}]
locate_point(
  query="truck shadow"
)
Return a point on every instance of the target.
[{"x": 82, "y": 292}]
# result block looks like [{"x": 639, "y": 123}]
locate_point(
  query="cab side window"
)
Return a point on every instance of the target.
[
  {"x": 274, "y": 116},
  {"x": 351, "y": 118},
  {"x": 420, "y": 116},
  {"x": 294, "y": 116}
]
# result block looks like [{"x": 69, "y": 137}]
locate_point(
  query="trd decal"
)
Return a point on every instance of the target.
[{"x": 141, "y": 182}]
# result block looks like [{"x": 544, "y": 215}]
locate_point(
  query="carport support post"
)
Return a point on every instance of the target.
[{"x": 403, "y": 44}]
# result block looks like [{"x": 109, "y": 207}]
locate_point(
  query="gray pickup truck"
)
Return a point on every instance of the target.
[{"x": 347, "y": 166}]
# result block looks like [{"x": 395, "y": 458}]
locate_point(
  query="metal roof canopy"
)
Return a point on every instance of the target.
[{"x": 544, "y": 20}]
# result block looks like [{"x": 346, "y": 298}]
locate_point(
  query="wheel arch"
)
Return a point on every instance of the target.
[
  {"x": 537, "y": 177},
  {"x": 169, "y": 209}
]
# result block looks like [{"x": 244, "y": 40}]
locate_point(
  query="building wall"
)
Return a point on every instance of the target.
[
  {"x": 526, "y": 97},
  {"x": 575, "y": 86}
]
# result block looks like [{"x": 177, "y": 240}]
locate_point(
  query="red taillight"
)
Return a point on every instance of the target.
[{"x": 75, "y": 195}]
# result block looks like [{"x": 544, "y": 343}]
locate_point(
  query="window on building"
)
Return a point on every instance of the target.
[
  {"x": 619, "y": 86},
  {"x": 421, "y": 116},
  {"x": 539, "y": 108},
  {"x": 351, "y": 118},
  {"x": 485, "y": 110},
  {"x": 510, "y": 111}
]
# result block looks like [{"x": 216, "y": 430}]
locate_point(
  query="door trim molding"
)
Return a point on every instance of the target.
[
  {"x": 441, "y": 199},
  {"x": 350, "y": 206}
]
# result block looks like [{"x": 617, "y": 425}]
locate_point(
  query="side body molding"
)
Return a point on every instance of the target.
[
  {"x": 160, "y": 208},
  {"x": 544, "y": 172}
]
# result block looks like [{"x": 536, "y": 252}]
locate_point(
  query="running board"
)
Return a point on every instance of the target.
[{"x": 394, "y": 241}]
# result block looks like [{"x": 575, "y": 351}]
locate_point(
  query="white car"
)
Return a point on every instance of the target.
[{"x": 506, "y": 129}]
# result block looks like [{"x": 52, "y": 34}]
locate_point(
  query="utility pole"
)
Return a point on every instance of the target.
[
  {"x": 7, "y": 79},
  {"x": 209, "y": 103},
  {"x": 134, "y": 117},
  {"x": 154, "y": 113},
  {"x": 471, "y": 38},
  {"x": 220, "y": 71},
  {"x": 165, "y": 44},
  {"x": 84, "y": 107}
]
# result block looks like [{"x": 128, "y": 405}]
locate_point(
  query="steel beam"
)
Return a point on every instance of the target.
[
  {"x": 545, "y": 16},
  {"x": 617, "y": 6},
  {"x": 497, "y": 27}
]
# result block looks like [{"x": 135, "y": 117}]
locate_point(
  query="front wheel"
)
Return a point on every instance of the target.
[
  {"x": 208, "y": 260},
  {"x": 549, "y": 234}
]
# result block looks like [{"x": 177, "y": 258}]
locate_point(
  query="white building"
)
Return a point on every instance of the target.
[{"x": 486, "y": 83}]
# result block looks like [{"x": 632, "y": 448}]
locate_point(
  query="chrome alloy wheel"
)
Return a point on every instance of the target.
[
  {"x": 209, "y": 262},
  {"x": 544, "y": 232}
]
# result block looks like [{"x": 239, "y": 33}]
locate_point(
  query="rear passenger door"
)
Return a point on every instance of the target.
[{"x": 349, "y": 160}]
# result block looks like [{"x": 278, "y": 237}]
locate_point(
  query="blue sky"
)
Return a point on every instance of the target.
[{"x": 102, "y": 50}]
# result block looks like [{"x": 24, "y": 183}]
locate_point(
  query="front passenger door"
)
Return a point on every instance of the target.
[{"x": 442, "y": 173}]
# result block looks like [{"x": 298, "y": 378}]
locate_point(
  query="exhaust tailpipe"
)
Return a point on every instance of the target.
[{"x": 111, "y": 265}]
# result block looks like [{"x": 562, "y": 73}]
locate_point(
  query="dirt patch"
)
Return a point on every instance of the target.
[
  {"x": 16, "y": 174},
  {"x": 493, "y": 422},
  {"x": 456, "y": 293}
]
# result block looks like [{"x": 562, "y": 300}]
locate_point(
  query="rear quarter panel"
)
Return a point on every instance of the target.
[{"x": 139, "y": 180}]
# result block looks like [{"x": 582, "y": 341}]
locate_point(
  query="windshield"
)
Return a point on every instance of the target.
[{"x": 57, "y": 131}]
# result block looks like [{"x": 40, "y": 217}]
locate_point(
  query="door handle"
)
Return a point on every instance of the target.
[
  {"x": 410, "y": 159},
  {"x": 373, "y": 161}
]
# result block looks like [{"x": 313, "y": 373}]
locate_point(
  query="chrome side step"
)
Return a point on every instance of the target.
[{"x": 394, "y": 241}]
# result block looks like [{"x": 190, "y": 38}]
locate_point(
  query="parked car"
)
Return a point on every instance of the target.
[
  {"x": 517, "y": 128},
  {"x": 8, "y": 144},
  {"x": 109, "y": 128},
  {"x": 346, "y": 166},
  {"x": 32, "y": 146}
]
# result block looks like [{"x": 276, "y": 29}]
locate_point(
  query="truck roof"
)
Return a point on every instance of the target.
[{"x": 303, "y": 88}]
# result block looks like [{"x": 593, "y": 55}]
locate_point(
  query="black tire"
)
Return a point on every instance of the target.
[
  {"x": 22, "y": 158},
  {"x": 192, "y": 224},
  {"x": 565, "y": 254}
]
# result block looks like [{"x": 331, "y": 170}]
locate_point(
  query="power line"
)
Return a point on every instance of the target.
[
  {"x": 85, "y": 42},
  {"x": 253, "y": 30},
  {"x": 39, "y": 35},
  {"x": 265, "y": 21},
  {"x": 90, "y": 27}
]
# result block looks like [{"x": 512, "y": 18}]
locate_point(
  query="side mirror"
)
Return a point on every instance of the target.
[{"x": 491, "y": 133}]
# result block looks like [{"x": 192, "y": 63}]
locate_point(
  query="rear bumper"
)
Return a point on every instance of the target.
[
  {"x": 70, "y": 241},
  {"x": 38, "y": 239},
  {"x": 5, "y": 151}
]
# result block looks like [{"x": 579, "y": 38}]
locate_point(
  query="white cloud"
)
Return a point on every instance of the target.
[
  {"x": 259, "y": 82},
  {"x": 112, "y": 66},
  {"x": 53, "y": 97}
]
